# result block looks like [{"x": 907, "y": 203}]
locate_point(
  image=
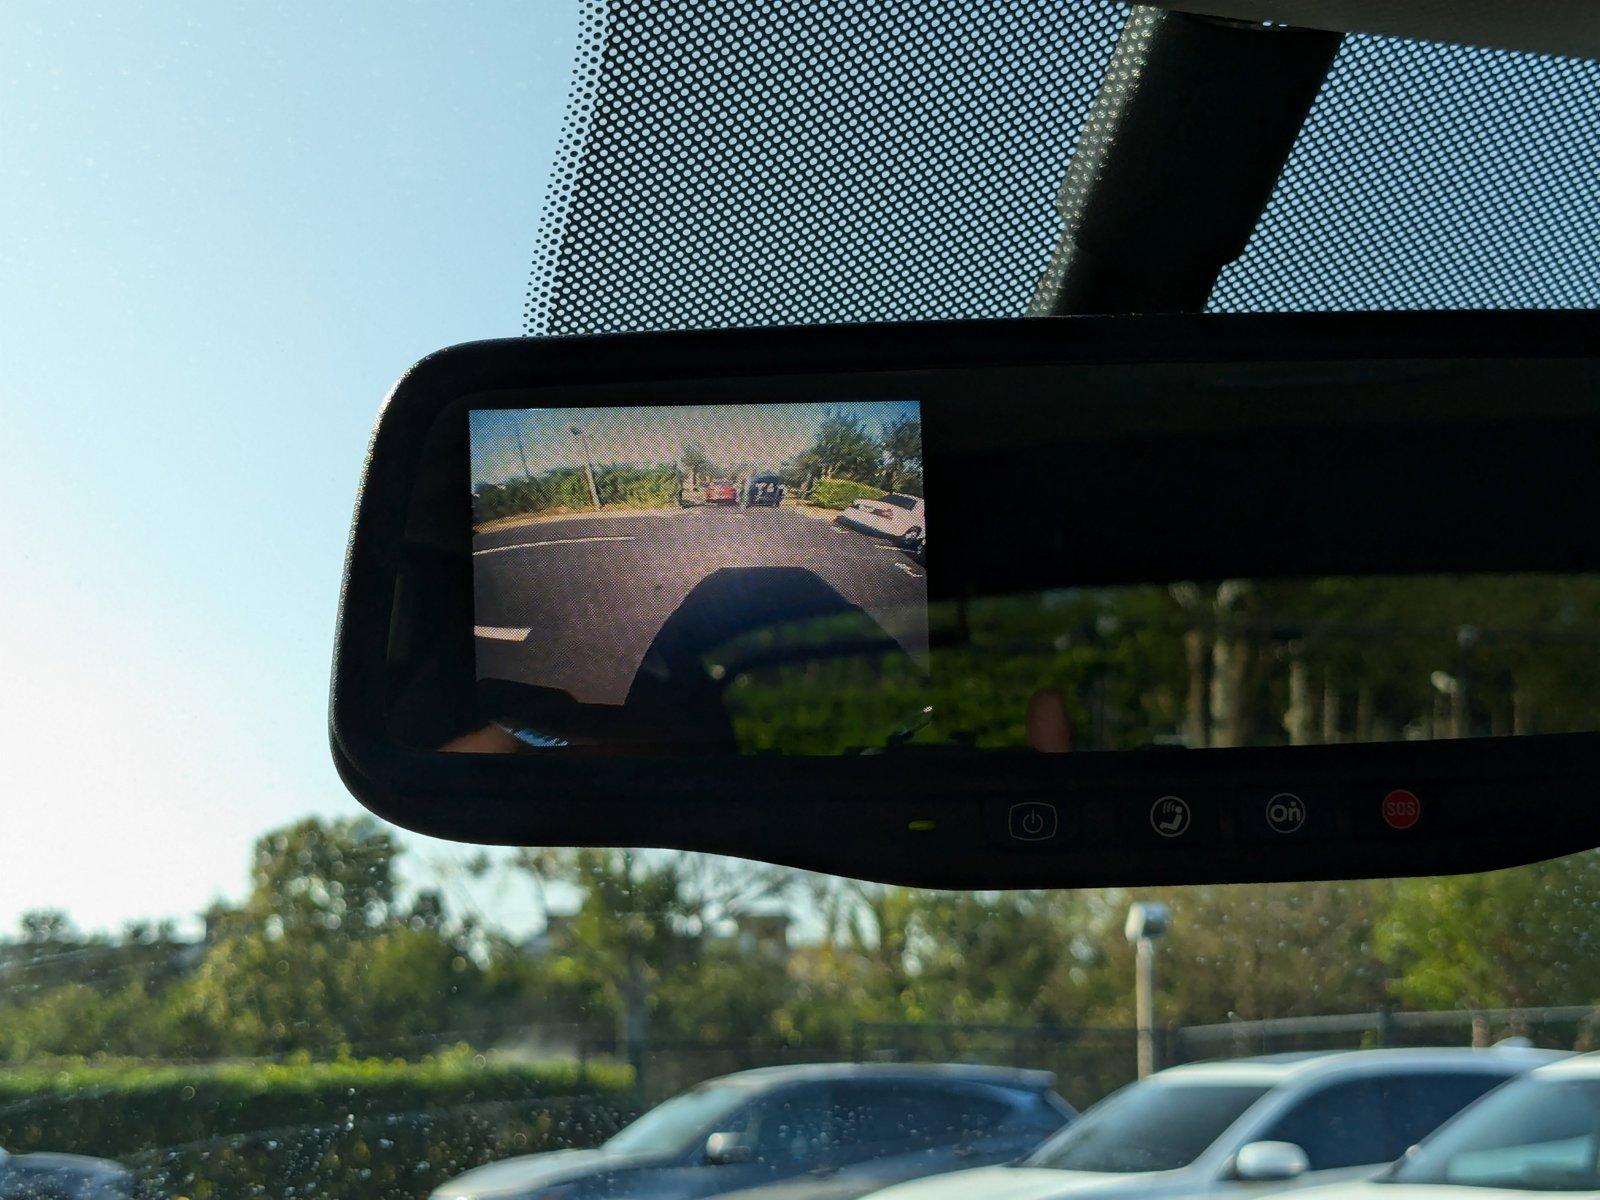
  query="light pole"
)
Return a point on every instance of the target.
[
  {"x": 588, "y": 465},
  {"x": 1146, "y": 923},
  {"x": 522, "y": 448}
]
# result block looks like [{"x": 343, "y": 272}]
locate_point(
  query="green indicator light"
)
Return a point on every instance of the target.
[{"x": 920, "y": 826}]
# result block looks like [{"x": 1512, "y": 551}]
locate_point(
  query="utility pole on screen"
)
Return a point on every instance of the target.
[
  {"x": 522, "y": 448},
  {"x": 588, "y": 465}
]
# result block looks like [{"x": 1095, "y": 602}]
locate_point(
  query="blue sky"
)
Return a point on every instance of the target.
[
  {"x": 228, "y": 229},
  {"x": 760, "y": 436}
]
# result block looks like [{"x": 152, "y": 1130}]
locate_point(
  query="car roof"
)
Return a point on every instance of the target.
[
  {"x": 1576, "y": 1066},
  {"x": 1273, "y": 1069},
  {"x": 1016, "y": 1077}
]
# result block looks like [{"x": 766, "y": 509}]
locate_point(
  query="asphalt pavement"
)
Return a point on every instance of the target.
[{"x": 576, "y": 603}]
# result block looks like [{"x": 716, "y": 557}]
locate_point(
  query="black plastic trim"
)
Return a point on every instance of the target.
[{"x": 1488, "y": 803}]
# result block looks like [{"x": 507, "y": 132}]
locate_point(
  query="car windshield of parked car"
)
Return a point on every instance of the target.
[
  {"x": 1540, "y": 1134},
  {"x": 676, "y": 1125},
  {"x": 1155, "y": 1126}
]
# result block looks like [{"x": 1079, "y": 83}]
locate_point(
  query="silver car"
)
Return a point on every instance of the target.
[
  {"x": 1231, "y": 1130},
  {"x": 1536, "y": 1136}
]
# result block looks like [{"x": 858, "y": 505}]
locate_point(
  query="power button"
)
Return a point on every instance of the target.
[{"x": 1033, "y": 821}]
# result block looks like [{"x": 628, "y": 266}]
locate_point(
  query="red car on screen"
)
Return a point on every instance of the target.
[{"x": 722, "y": 492}]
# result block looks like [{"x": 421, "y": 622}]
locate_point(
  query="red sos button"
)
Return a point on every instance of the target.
[{"x": 1401, "y": 809}]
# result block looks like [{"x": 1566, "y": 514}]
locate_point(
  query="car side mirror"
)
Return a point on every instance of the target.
[
  {"x": 725, "y": 1148},
  {"x": 1263, "y": 1162}
]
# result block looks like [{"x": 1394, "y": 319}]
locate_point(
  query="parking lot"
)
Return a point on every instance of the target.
[{"x": 575, "y": 603}]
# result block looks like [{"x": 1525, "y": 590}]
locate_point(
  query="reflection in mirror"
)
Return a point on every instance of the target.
[
  {"x": 1190, "y": 665},
  {"x": 1235, "y": 663}
]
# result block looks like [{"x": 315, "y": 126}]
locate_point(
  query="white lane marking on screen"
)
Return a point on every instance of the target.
[
  {"x": 498, "y": 633},
  {"x": 614, "y": 537}
]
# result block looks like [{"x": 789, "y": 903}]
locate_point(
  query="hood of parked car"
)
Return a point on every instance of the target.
[
  {"x": 1036, "y": 1183},
  {"x": 534, "y": 1172},
  {"x": 847, "y": 1184},
  {"x": 1411, "y": 1191},
  {"x": 23, "y": 1176}
]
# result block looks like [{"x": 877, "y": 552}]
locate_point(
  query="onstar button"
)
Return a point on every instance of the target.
[
  {"x": 1033, "y": 821},
  {"x": 1286, "y": 812},
  {"x": 1401, "y": 809}
]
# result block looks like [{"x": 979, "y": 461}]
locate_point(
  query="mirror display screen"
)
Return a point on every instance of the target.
[
  {"x": 628, "y": 562},
  {"x": 743, "y": 578}
]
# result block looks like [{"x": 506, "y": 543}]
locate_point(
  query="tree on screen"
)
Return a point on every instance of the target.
[
  {"x": 843, "y": 449},
  {"x": 902, "y": 455},
  {"x": 696, "y": 462}
]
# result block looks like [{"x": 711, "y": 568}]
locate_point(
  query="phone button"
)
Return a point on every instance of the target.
[{"x": 1170, "y": 816}]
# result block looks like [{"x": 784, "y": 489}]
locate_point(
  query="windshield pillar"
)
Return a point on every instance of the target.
[{"x": 1177, "y": 159}]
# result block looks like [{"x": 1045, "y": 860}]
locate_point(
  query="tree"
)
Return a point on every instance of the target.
[
  {"x": 647, "y": 950},
  {"x": 900, "y": 954},
  {"x": 320, "y": 956},
  {"x": 696, "y": 462},
  {"x": 46, "y": 927},
  {"x": 1528, "y": 936},
  {"x": 1264, "y": 950},
  {"x": 842, "y": 449},
  {"x": 902, "y": 455},
  {"x": 335, "y": 875}
]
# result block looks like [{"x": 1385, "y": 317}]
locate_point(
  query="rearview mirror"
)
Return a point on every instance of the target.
[
  {"x": 1208, "y": 598},
  {"x": 724, "y": 1149},
  {"x": 1264, "y": 1162}
]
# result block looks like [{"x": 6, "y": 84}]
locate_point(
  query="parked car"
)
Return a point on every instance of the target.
[
  {"x": 916, "y": 544},
  {"x": 50, "y": 1176},
  {"x": 1540, "y": 1133},
  {"x": 722, "y": 491},
  {"x": 776, "y": 1124},
  {"x": 1221, "y": 1131},
  {"x": 764, "y": 491},
  {"x": 893, "y": 516}
]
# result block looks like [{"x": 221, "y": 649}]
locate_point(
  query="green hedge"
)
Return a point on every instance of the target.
[
  {"x": 370, "y": 1130},
  {"x": 567, "y": 490},
  {"x": 841, "y": 493}
]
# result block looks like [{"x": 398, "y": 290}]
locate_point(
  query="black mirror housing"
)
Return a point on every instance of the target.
[{"x": 1061, "y": 456}]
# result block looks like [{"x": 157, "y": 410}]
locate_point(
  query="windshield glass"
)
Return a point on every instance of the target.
[
  {"x": 1537, "y": 1134},
  {"x": 1148, "y": 1127},
  {"x": 229, "y": 228},
  {"x": 675, "y": 1125}
]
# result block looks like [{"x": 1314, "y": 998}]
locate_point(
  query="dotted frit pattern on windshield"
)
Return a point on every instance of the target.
[
  {"x": 737, "y": 163},
  {"x": 1433, "y": 176}
]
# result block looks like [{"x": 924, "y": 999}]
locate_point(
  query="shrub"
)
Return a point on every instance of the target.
[
  {"x": 372, "y": 1130},
  {"x": 567, "y": 490},
  {"x": 841, "y": 493}
]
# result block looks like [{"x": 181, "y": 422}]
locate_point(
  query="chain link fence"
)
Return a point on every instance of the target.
[{"x": 1091, "y": 1061}]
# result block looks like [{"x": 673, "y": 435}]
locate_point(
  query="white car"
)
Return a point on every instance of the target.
[
  {"x": 894, "y": 515},
  {"x": 1539, "y": 1134},
  {"x": 1231, "y": 1130}
]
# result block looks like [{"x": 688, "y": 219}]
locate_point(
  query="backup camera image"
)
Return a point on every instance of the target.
[{"x": 639, "y": 559}]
